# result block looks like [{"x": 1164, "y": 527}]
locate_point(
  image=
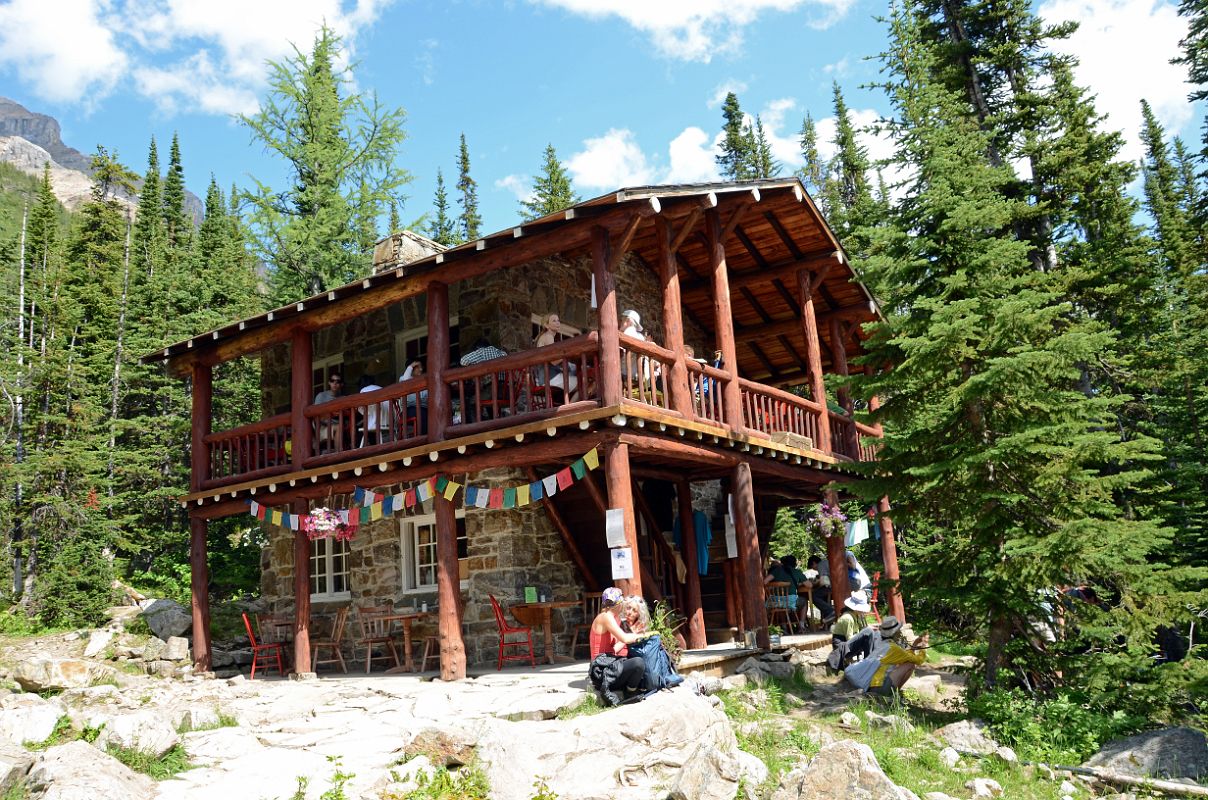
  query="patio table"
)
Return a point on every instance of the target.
[
  {"x": 407, "y": 619},
  {"x": 541, "y": 614}
]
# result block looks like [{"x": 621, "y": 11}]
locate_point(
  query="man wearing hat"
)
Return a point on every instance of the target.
[
  {"x": 891, "y": 662},
  {"x": 852, "y": 620}
]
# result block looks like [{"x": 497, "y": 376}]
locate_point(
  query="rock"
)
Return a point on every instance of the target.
[
  {"x": 97, "y": 641},
  {"x": 1067, "y": 788},
  {"x": 400, "y": 781},
  {"x": 1006, "y": 754},
  {"x": 938, "y": 796},
  {"x": 166, "y": 618},
  {"x": 793, "y": 701},
  {"x": 706, "y": 685},
  {"x": 737, "y": 681},
  {"x": 845, "y": 770},
  {"x": 753, "y": 771},
  {"x": 153, "y": 650},
  {"x": 164, "y": 669},
  {"x": 27, "y": 718},
  {"x": 769, "y": 658},
  {"x": 195, "y": 718},
  {"x": 145, "y": 730},
  {"x": 698, "y": 780},
  {"x": 55, "y": 674},
  {"x": 446, "y": 745},
  {"x": 849, "y": 719},
  {"x": 752, "y": 666},
  {"x": 968, "y": 735},
  {"x": 79, "y": 771},
  {"x": 221, "y": 658},
  {"x": 950, "y": 757},
  {"x": 177, "y": 649},
  {"x": 220, "y": 745},
  {"x": 782, "y": 670},
  {"x": 984, "y": 787},
  {"x": 15, "y": 762},
  {"x": 1166, "y": 753},
  {"x": 890, "y": 721}
]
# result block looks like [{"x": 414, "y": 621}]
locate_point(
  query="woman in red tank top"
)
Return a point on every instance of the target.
[{"x": 607, "y": 637}]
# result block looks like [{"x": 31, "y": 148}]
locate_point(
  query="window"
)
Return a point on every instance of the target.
[
  {"x": 419, "y": 550},
  {"x": 323, "y": 367},
  {"x": 566, "y": 330},
  {"x": 412, "y": 345},
  {"x": 329, "y": 570}
]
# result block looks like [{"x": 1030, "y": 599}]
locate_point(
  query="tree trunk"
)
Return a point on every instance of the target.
[
  {"x": 116, "y": 383},
  {"x": 19, "y": 456},
  {"x": 1000, "y": 634}
]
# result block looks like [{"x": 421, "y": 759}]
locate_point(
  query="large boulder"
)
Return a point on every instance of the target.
[
  {"x": 1165, "y": 753},
  {"x": 145, "y": 730},
  {"x": 166, "y": 618},
  {"x": 56, "y": 674},
  {"x": 79, "y": 771},
  {"x": 15, "y": 762},
  {"x": 845, "y": 770},
  {"x": 626, "y": 753},
  {"x": 968, "y": 736},
  {"x": 27, "y": 718}
]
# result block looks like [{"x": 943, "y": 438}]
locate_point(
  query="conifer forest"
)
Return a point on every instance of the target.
[{"x": 1042, "y": 370}]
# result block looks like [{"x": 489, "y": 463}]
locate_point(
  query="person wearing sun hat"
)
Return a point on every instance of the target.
[
  {"x": 610, "y": 640},
  {"x": 852, "y": 620},
  {"x": 631, "y": 324},
  {"x": 891, "y": 663}
]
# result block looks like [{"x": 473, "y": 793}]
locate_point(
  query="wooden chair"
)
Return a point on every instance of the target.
[
  {"x": 876, "y": 588},
  {"x": 266, "y": 653},
  {"x": 375, "y": 632},
  {"x": 504, "y": 630},
  {"x": 334, "y": 643},
  {"x": 431, "y": 650},
  {"x": 781, "y": 601},
  {"x": 591, "y": 609}
]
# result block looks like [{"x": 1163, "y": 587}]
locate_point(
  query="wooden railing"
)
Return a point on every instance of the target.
[
  {"x": 870, "y": 441},
  {"x": 643, "y": 368},
  {"x": 707, "y": 385},
  {"x": 524, "y": 386},
  {"x": 389, "y": 418},
  {"x": 249, "y": 451},
  {"x": 769, "y": 410}
]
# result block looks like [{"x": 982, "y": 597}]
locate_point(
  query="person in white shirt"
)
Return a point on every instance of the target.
[
  {"x": 377, "y": 415},
  {"x": 631, "y": 325}
]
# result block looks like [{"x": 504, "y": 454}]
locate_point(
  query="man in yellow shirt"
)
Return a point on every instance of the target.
[{"x": 898, "y": 662}]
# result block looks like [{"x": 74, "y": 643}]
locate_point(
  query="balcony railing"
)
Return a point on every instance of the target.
[{"x": 523, "y": 387}]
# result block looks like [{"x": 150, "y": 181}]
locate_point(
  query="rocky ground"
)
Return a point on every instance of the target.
[{"x": 101, "y": 727}]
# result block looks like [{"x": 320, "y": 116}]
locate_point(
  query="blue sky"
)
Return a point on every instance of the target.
[{"x": 626, "y": 90}]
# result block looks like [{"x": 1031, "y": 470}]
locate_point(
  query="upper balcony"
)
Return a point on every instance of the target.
[{"x": 749, "y": 270}]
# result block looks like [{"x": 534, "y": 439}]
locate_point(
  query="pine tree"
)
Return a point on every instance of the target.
[
  {"x": 813, "y": 168},
  {"x": 178, "y": 229},
  {"x": 150, "y": 234},
  {"x": 340, "y": 149},
  {"x": 394, "y": 224},
  {"x": 470, "y": 221},
  {"x": 551, "y": 189},
  {"x": 735, "y": 156},
  {"x": 442, "y": 229},
  {"x": 762, "y": 163}
]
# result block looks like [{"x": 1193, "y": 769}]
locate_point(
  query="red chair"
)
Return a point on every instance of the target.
[
  {"x": 876, "y": 587},
  {"x": 269, "y": 652},
  {"x": 504, "y": 630}
]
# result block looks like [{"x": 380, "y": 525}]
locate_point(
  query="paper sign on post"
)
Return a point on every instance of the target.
[
  {"x": 731, "y": 538},
  {"x": 614, "y": 527},
  {"x": 622, "y": 563}
]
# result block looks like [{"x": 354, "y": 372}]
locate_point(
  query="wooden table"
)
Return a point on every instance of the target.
[
  {"x": 534, "y": 614},
  {"x": 407, "y": 619}
]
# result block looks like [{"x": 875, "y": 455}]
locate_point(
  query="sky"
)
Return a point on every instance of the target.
[{"x": 627, "y": 91}]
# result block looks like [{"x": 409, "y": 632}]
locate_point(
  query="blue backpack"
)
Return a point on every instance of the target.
[{"x": 660, "y": 674}]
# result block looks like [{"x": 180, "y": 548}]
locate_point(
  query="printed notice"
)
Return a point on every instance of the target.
[
  {"x": 731, "y": 538},
  {"x": 614, "y": 527},
  {"x": 622, "y": 563}
]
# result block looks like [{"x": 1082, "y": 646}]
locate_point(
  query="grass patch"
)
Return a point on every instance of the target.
[
  {"x": 62, "y": 734},
  {"x": 465, "y": 783},
  {"x": 763, "y": 728},
  {"x": 157, "y": 767},
  {"x": 586, "y": 707},
  {"x": 223, "y": 721},
  {"x": 18, "y": 791}
]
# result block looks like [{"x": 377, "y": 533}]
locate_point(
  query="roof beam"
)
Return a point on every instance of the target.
[
  {"x": 781, "y": 270},
  {"x": 754, "y": 333}
]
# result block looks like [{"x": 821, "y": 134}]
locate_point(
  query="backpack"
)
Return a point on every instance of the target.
[{"x": 660, "y": 674}]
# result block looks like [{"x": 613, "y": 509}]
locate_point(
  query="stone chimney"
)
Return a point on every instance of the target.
[{"x": 402, "y": 248}]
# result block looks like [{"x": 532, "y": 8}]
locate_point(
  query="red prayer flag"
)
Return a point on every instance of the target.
[
  {"x": 409, "y": 498},
  {"x": 564, "y": 478},
  {"x": 496, "y": 500}
]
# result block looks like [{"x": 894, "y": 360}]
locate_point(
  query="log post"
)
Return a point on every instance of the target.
[
  {"x": 724, "y": 321},
  {"x": 299, "y": 398},
  {"x": 889, "y": 545},
  {"x": 836, "y": 559},
  {"x": 203, "y": 392},
  {"x": 448, "y": 587},
  {"x": 200, "y": 582},
  {"x": 673, "y": 322},
  {"x": 813, "y": 348},
  {"x": 302, "y": 664},
  {"x": 692, "y": 605},
  {"x": 620, "y": 495},
  {"x": 747, "y": 529},
  {"x": 610, "y": 334},
  {"x": 440, "y": 412},
  {"x": 839, "y": 354}
]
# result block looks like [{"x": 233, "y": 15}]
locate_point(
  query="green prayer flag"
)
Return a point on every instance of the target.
[
  {"x": 579, "y": 468},
  {"x": 509, "y": 498}
]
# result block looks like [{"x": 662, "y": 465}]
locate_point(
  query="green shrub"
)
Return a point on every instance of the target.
[
  {"x": 73, "y": 587},
  {"x": 157, "y": 767},
  {"x": 1058, "y": 730},
  {"x": 15, "y": 622}
]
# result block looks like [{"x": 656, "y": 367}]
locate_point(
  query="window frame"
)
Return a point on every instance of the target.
[
  {"x": 409, "y": 547},
  {"x": 323, "y": 551}
]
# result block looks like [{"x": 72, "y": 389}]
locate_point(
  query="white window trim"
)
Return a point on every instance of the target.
[
  {"x": 328, "y": 558},
  {"x": 408, "y": 550},
  {"x": 411, "y": 334}
]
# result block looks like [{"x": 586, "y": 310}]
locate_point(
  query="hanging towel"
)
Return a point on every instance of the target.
[{"x": 857, "y": 531}]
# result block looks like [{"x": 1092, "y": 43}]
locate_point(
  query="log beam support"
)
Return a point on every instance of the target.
[
  {"x": 620, "y": 495},
  {"x": 724, "y": 319},
  {"x": 299, "y": 395},
  {"x": 813, "y": 348},
  {"x": 200, "y": 583},
  {"x": 302, "y": 665},
  {"x": 203, "y": 392},
  {"x": 751, "y": 566},
  {"x": 836, "y": 559},
  {"x": 692, "y": 603},
  {"x": 673, "y": 322},
  {"x": 610, "y": 334},
  {"x": 448, "y": 587}
]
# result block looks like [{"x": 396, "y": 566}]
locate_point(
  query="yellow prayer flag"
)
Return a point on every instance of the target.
[
  {"x": 592, "y": 459},
  {"x": 522, "y": 495},
  {"x": 375, "y": 511},
  {"x": 451, "y": 490},
  {"x": 277, "y": 515}
]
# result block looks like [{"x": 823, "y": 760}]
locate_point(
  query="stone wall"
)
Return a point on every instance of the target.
[{"x": 508, "y": 549}]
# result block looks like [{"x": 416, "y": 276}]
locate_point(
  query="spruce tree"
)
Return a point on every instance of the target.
[
  {"x": 340, "y": 148},
  {"x": 178, "y": 229},
  {"x": 470, "y": 220},
  {"x": 442, "y": 228},
  {"x": 813, "y": 168},
  {"x": 735, "y": 156},
  {"x": 150, "y": 233},
  {"x": 551, "y": 188},
  {"x": 762, "y": 163}
]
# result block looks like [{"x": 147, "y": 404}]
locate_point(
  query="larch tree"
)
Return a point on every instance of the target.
[
  {"x": 470, "y": 221},
  {"x": 340, "y": 147},
  {"x": 552, "y": 191}
]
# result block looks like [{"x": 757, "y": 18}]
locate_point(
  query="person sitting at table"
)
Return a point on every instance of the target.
[
  {"x": 618, "y": 672},
  {"x": 785, "y": 571},
  {"x": 377, "y": 415},
  {"x": 551, "y": 333},
  {"x": 483, "y": 351},
  {"x": 852, "y": 620},
  {"x": 327, "y": 425},
  {"x": 817, "y": 580},
  {"x": 416, "y": 402}
]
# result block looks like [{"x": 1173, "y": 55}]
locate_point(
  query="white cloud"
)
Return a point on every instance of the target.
[
  {"x": 609, "y": 161},
  {"x": 519, "y": 185},
  {"x": 1124, "y": 48},
  {"x": 839, "y": 68},
  {"x": 693, "y": 158},
  {"x": 179, "y": 53},
  {"x": 65, "y": 55},
  {"x": 425, "y": 60},
  {"x": 722, "y": 89},
  {"x": 696, "y": 30},
  {"x": 781, "y": 133}
]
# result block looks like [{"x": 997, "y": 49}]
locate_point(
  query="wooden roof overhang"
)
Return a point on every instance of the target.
[
  {"x": 660, "y": 445},
  {"x": 772, "y": 230}
]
